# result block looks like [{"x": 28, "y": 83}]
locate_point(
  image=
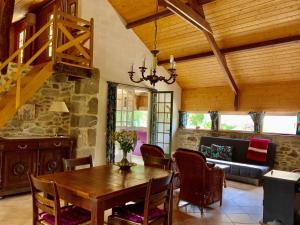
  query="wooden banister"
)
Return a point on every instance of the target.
[{"x": 65, "y": 24}]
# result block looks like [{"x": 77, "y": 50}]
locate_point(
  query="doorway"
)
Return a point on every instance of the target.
[{"x": 132, "y": 112}]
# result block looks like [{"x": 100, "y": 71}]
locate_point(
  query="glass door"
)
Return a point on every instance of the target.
[
  {"x": 161, "y": 120},
  {"x": 132, "y": 114}
]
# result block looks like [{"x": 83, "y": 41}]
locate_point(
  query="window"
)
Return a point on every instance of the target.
[
  {"x": 140, "y": 119},
  {"x": 280, "y": 124},
  {"x": 236, "y": 122},
  {"x": 22, "y": 38},
  {"x": 198, "y": 120},
  {"x": 125, "y": 108},
  {"x": 50, "y": 36}
]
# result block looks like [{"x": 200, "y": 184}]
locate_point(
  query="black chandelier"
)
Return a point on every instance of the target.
[{"x": 153, "y": 77}]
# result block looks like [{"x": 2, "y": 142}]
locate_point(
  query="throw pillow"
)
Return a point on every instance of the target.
[
  {"x": 206, "y": 151},
  {"x": 221, "y": 152}
]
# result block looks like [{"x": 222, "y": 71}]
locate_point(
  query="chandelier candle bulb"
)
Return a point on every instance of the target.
[
  {"x": 171, "y": 59},
  {"x": 131, "y": 68},
  {"x": 144, "y": 62}
]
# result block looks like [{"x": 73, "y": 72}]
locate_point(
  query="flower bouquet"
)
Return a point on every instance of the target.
[{"x": 127, "y": 140}]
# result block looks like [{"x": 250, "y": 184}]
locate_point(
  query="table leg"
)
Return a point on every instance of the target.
[{"x": 97, "y": 214}]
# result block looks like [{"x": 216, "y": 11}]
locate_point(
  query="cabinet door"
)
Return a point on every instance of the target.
[
  {"x": 50, "y": 160},
  {"x": 16, "y": 165}
]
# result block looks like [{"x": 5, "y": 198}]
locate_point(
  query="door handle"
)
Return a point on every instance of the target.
[{"x": 22, "y": 147}]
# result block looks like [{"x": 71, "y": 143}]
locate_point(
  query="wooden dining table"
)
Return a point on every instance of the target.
[{"x": 103, "y": 187}]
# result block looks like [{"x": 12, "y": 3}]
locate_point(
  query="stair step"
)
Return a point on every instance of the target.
[{"x": 38, "y": 75}]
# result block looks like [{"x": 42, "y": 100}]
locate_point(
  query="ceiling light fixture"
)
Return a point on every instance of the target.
[{"x": 153, "y": 77}]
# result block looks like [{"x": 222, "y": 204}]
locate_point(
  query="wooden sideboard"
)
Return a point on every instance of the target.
[{"x": 42, "y": 155}]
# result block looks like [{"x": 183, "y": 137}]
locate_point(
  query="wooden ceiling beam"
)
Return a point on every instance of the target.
[
  {"x": 160, "y": 15},
  {"x": 262, "y": 44},
  {"x": 187, "y": 13},
  {"x": 149, "y": 19},
  {"x": 195, "y": 15}
]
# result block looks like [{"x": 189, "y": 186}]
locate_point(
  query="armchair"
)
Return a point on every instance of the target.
[{"x": 201, "y": 184}]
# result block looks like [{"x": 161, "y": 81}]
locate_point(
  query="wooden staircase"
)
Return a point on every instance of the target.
[{"x": 69, "y": 49}]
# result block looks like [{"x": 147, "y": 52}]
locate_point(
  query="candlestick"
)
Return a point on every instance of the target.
[{"x": 174, "y": 65}]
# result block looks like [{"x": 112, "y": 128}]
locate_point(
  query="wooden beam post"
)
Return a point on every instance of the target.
[
  {"x": 195, "y": 15},
  {"x": 187, "y": 13}
]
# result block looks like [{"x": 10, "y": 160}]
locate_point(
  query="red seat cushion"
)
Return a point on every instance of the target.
[
  {"x": 70, "y": 215},
  {"x": 135, "y": 212}
]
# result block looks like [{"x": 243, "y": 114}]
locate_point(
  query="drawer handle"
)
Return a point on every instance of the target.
[
  {"x": 57, "y": 144},
  {"x": 22, "y": 146}
]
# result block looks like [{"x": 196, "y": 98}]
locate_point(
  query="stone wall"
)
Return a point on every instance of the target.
[
  {"x": 84, "y": 110},
  {"x": 287, "y": 146},
  {"x": 81, "y": 98}
]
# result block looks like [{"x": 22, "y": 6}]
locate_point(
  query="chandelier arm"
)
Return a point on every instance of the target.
[
  {"x": 135, "y": 81},
  {"x": 168, "y": 81}
]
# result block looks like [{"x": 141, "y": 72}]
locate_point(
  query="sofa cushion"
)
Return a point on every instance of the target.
[
  {"x": 242, "y": 169},
  {"x": 239, "y": 150},
  {"x": 206, "y": 151},
  {"x": 221, "y": 152}
]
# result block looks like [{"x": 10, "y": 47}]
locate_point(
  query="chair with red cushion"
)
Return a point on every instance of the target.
[
  {"x": 201, "y": 184},
  {"x": 71, "y": 164},
  {"x": 159, "y": 192},
  {"x": 47, "y": 210},
  {"x": 154, "y": 156}
]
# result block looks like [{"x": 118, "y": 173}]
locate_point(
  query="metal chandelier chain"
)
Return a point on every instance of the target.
[{"x": 155, "y": 26}]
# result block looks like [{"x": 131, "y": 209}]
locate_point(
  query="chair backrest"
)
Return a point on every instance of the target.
[
  {"x": 70, "y": 164},
  {"x": 159, "y": 191},
  {"x": 154, "y": 156},
  {"x": 41, "y": 190},
  {"x": 188, "y": 161}
]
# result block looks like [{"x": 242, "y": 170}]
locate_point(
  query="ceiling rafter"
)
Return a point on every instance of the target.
[
  {"x": 160, "y": 15},
  {"x": 262, "y": 44},
  {"x": 195, "y": 15}
]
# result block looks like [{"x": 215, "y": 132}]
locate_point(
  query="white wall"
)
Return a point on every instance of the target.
[{"x": 115, "y": 49}]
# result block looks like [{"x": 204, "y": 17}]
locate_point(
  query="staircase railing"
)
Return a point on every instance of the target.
[{"x": 72, "y": 43}]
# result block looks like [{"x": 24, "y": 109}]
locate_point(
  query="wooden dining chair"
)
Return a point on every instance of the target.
[
  {"x": 70, "y": 164},
  {"x": 154, "y": 156},
  {"x": 159, "y": 193},
  {"x": 48, "y": 210}
]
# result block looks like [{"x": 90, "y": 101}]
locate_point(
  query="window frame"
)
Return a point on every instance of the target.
[
  {"x": 279, "y": 114},
  {"x": 234, "y": 114},
  {"x": 197, "y": 128}
]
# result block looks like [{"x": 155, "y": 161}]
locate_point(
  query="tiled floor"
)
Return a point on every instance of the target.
[{"x": 242, "y": 204}]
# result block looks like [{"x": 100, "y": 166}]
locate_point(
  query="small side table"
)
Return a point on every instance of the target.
[{"x": 281, "y": 197}]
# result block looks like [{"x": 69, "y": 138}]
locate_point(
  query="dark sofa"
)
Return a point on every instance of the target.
[{"x": 241, "y": 168}]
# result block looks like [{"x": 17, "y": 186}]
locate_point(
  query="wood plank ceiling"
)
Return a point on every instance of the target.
[{"x": 234, "y": 23}]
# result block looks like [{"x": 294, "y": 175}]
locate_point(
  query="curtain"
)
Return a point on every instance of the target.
[
  {"x": 298, "y": 124},
  {"x": 257, "y": 118},
  {"x": 182, "y": 119},
  {"x": 111, "y": 121},
  {"x": 214, "y": 116}
]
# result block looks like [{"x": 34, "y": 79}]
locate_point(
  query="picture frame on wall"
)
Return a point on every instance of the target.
[{"x": 27, "y": 112}]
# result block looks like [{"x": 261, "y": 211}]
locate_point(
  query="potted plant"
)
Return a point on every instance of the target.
[{"x": 127, "y": 140}]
